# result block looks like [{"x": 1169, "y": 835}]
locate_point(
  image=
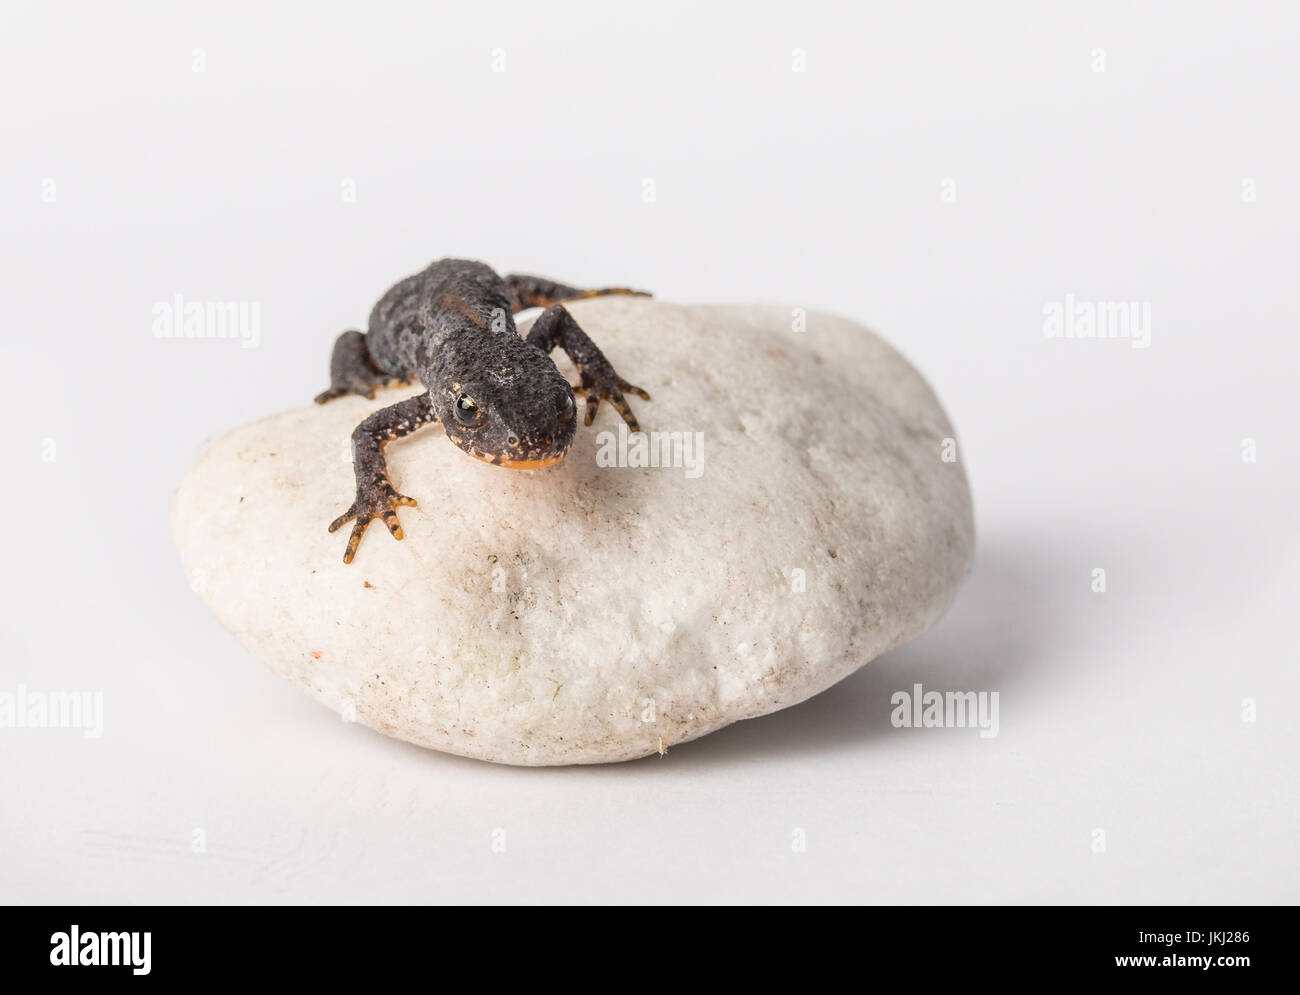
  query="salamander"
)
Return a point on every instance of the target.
[{"x": 498, "y": 396}]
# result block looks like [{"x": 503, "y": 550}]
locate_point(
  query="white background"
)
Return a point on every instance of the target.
[{"x": 1120, "y": 711}]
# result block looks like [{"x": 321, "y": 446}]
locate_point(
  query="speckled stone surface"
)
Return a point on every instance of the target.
[{"x": 586, "y": 613}]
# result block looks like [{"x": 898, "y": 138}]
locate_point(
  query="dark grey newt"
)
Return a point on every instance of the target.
[{"x": 499, "y": 397}]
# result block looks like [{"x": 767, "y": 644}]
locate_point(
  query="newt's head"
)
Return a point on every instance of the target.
[{"x": 516, "y": 411}]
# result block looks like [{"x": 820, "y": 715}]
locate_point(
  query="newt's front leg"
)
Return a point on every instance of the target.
[
  {"x": 599, "y": 381},
  {"x": 376, "y": 496}
]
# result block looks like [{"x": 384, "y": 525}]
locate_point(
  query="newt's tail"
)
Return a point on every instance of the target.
[{"x": 535, "y": 291}]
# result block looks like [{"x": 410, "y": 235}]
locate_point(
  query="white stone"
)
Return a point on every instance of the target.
[{"x": 579, "y": 613}]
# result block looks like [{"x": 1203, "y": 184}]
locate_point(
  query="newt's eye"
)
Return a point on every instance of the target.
[{"x": 466, "y": 410}]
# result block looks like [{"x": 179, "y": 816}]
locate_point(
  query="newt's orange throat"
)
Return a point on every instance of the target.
[{"x": 519, "y": 464}]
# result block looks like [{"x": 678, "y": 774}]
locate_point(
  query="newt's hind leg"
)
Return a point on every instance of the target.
[
  {"x": 353, "y": 372},
  {"x": 536, "y": 291},
  {"x": 376, "y": 497}
]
